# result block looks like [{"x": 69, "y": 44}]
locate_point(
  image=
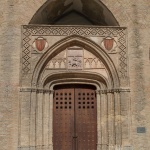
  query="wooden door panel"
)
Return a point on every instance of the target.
[
  {"x": 86, "y": 124},
  {"x": 63, "y": 123},
  {"x": 74, "y": 119}
]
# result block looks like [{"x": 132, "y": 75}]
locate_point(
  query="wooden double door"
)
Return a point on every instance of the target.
[{"x": 75, "y": 118}]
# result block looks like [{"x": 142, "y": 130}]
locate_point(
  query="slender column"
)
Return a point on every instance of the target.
[
  {"x": 118, "y": 119},
  {"x": 24, "y": 119},
  {"x": 51, "y": 121},
  {"x": 111, "y": 121},
  {"x": 99, "y": 136},
  {"x": 39, "y": 120},
  {"x": 104, "y": 123},
  {"x": 33, "y": 120},
  {"x": 46, "y": 106}
]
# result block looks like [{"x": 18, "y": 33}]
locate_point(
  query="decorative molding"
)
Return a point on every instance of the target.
[
  {"x": 122, "y": 53},
  {"x": 26, "y": 51},
  {"x": 112, "y": 91},
  {"x": 87, "y": 31},
  {"x": 82, "y": 61},
  {"x": 28, "y": 89},
  {"x": 73, "y": 30}
]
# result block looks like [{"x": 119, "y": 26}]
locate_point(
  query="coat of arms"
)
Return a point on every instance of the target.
[
  {"x": 75, "y": 62},
  {"x": 109, "y": 43},
  {"x": 40, "y": 44}
]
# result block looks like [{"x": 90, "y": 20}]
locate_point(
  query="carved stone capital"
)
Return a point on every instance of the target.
[
  {"x": 28, "y": 89},
  {"x": 105, "y": 91}
]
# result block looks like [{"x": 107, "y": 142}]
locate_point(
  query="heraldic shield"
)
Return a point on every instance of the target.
[
  {"x": 40, "y": 43},
  {"x": 109, "y": 43}
]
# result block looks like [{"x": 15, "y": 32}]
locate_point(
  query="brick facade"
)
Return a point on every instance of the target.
[{"x": 131, "y": 14}]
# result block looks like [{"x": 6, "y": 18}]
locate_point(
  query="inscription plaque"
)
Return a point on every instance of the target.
[{"x": 141, "y": 130}]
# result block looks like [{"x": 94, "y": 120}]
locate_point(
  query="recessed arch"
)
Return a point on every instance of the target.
[
  {"x": 75, "y": 77},
  {"x": 82, "y": 42},
  {"x": 95, "y": 11}
]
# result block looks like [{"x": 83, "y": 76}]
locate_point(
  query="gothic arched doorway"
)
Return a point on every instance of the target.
[
  {"x": 77, "y": 60},
  {"x": 55, "y": 55}
]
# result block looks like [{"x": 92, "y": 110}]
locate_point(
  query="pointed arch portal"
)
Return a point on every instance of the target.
[{"x": 74, "y": 79}]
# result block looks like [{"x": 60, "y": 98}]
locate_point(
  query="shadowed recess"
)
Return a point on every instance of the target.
[{"x": 74, "y": 12}]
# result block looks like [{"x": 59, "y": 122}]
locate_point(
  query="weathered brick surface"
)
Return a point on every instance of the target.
[{"x": 134, "y": 14}]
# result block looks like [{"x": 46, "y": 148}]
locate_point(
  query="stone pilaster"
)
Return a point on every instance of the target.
[
  {"x": 51, "y": 121},
  {"x": 33, "y": 119},
  {"x": 99, "y": 131},
  {"x": 24, "y": 119},
  {"x": 104, "y": 121},
  {"x": 46, "y": 108},
  {"x": 125, "y": 118},
  {"x": 118, "y": 119},
  {"x": 111, "y": 120},
  {"x": 39, "y": 120}
]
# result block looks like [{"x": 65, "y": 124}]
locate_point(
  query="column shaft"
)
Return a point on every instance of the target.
[
  {"x": 24, "y": 119},
  {"x": 51, "y": 122},
  {"x": 39, "y": 121},
  {"x": 104, "y": 121},
  {"x": 111, "y": 120},
  {"x": 99, "y": 135},
  {"x": 118, "y": 119},
  {"x": 46, "y": 109},
  {"x": 33, "y": 119}
]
